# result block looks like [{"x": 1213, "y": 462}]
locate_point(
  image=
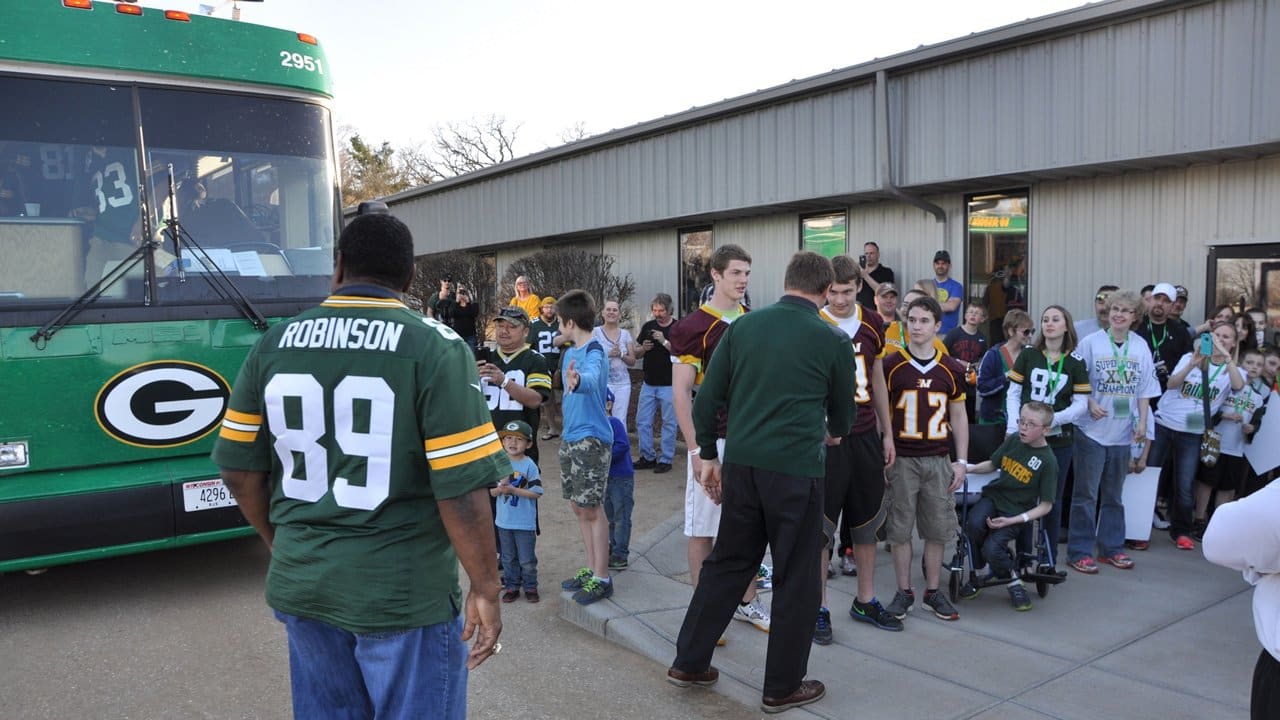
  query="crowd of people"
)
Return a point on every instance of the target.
[{"x": 865, "y": 436}]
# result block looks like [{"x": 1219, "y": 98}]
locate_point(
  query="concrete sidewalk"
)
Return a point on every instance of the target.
[{"x": 1171, "y": 639}]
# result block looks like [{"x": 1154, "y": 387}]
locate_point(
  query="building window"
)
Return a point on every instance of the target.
[
  {"x": 695, "y": 267},
  {"x": 825, "y": 234},
  {"x": 997, "y": 254}
]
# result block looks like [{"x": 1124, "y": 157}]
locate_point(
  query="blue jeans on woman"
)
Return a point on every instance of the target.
[
  {"x": 619, "y": 499},
  {"x": 1180, "y": 452},
  {"x": 1053, "y": 521},
  {"x": 519, "y": 559},
  {"x": 418, "y": 672},
  {"x": 1100, "y": 473},
  {"x": 656, "y": 397}
]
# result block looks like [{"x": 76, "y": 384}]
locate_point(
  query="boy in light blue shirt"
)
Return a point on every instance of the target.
[
  {"x": 517, "y": 519},
  {"x": 585, "y": 442}
]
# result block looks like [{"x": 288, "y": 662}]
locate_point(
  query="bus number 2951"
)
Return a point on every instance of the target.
[{"x": 301, "y": 62}]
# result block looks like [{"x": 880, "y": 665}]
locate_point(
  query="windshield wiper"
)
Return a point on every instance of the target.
[
  {"x": 145, "y": 253},
  {"x": 213, "y": 274}
]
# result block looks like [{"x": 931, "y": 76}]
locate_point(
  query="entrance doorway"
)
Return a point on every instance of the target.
[{"x": 1247, "y": 277}]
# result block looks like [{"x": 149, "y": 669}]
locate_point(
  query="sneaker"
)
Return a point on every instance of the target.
[
  {"x": 753, "y": 613},
  {"x": 969, "y": 590},
  {"x": 901, "y": 604},
  {"x": 618, "y": 562},
  {"x": 1019, "y": 596},
  {"x": 643, "y": 463},
  {"x": 822, "y": 631},
  {"x": 1158, "y": 521},
  {"x": 764, "y": 578},
  {"x": 578, "y": 580},
  {"x": 941, "y": 605},
  {"x": 831, "y": 572},
  {"x": 874, "y": 613},
  {"x": 1119, "y": 560},
  {"x": 510, "y": 595},
  {"x": 531, "y": 594},
  {"x": 662, "y": 468},
  {"x": 1184, "y": 543},
  {"x": 1198, "y": 527},
  {"x": 848, "y": 566},
  {"x": 593, "y": 590},
  {"x": 1085, "y": 565}
]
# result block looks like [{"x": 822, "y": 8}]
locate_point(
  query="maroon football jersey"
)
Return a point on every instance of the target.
[
  {"x": 693, "y": 340},
  {"x": 867, "y": 331},
  {"x": 919, "y": 397}
]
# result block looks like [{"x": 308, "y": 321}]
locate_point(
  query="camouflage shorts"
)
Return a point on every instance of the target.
[{"x": 584, "y": 469}]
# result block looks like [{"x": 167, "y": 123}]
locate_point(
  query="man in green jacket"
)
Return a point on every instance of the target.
[{"x": 784, "y": 408}]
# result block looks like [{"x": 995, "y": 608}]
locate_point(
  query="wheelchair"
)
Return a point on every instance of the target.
[{"x": 1034, "y": 555}]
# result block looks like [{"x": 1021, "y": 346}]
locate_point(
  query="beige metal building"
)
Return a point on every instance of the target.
[{"x": 1128, "y": 141}]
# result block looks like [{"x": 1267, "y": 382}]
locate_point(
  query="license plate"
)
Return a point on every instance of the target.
[{"x": 205, "y": 495}]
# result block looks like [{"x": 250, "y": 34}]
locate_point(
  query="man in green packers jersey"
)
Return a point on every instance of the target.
[
  {"x": 515, "y": 378},
  {"x": 358, "y": 444}
]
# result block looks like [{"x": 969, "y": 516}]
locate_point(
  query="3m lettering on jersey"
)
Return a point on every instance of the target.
[
  {"x": 342, "y": 333},
  {"x": 1016, "y": 470}
]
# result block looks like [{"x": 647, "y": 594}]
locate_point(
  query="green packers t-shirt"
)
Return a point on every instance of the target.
[
  {"x": 364, "y": 414},
  {"x": 1027, "y": 476}
]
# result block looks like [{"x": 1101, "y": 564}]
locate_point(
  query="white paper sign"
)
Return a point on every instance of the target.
[
  {"x": 1264, "y": 452},
  {"x": 249, "y": 264}
]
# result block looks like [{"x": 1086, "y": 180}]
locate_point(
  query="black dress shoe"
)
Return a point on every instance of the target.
[
  {"x": 809, "y": 691},
  {"x": 662, "y": 467},
  {"x": 643, "y": 464},
  {"x": 680, "y": 678}
]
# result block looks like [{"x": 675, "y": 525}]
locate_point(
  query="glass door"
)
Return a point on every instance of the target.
[
  {"x": 1247, "y": 277},
  {"x": 997, "y": 246}
]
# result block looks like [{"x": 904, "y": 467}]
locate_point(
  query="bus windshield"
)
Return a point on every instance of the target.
[{"x": 255, "y": 188}]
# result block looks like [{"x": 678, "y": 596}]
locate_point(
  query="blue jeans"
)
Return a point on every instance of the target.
[
  {"x": 619, "y": 498},
  {"x": 991, "y": 547},
  {"x": 339, "y": 675},
  {"x": 1053, "y": 521},
  {"x": 1179, "y": 452},
  {"x": 650, "y": 397},
  {"x": 519, "y": 561},
  {"x": 1100, "y": 473}
]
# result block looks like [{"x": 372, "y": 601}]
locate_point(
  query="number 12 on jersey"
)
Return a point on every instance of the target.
[{"x": 909, "y": 404}]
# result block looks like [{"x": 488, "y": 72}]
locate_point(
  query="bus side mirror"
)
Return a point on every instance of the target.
[{"x": 373, "y": 207}]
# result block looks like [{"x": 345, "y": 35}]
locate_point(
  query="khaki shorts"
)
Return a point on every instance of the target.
[
  {"x": 919, "y": 495},
  {"x": 701, "y": 515},
  {"x": 584, "y": 470}
]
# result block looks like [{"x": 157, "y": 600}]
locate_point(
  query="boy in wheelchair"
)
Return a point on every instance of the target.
[{"x": 1010, "y": 505}]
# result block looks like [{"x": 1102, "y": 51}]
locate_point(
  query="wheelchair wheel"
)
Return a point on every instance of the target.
[
  {"x": 959, "y": 569},
  {"x": 1042, "y": 588}
]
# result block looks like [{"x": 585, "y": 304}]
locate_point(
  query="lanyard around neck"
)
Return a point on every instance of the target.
[{"x": 1121, "y": 362}]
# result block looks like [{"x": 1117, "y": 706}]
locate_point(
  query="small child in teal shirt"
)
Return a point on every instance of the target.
[{"x": 517, "y": 519}]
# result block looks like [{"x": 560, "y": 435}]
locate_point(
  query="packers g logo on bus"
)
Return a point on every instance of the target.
[{"x": 162, "y": 404}]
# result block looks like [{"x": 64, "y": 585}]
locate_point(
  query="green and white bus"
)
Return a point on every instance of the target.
[{"x": 168, "y": 187}]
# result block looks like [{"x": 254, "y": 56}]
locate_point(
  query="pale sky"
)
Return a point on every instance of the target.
[{"x": 401, "y": 68}]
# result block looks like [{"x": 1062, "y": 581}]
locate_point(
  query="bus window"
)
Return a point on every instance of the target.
[
  {"x": 254, "y": 189},
  {"x": 69, "y": 205}
]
